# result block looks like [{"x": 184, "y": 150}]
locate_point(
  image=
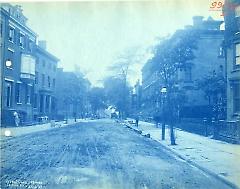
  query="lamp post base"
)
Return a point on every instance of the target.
[{"x": 163, "y": 131}]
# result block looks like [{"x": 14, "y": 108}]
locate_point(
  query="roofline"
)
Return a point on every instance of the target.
[
  {"x": 43, "y": 51},
  {"x": 18, "y": 23}
]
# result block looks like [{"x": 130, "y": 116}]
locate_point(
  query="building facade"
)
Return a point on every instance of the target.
[
  {"x": 136, "y": 95},
  {"x": 205, "y": 63},
  {"x": 19, "y": 65},
  {"x": 232, "y": 49},
  {"x": 45, "y": 83}
]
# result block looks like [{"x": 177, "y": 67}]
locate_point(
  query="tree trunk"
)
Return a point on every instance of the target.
[
  {"x": 163, "y": 131},
  {"x": 172, "y": 136},
  {"x": 171, "y": 119}
]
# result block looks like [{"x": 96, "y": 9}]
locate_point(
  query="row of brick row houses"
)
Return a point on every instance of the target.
[
  {"x": 28, "y": 70},
  {"x": 232, "y": 46}
]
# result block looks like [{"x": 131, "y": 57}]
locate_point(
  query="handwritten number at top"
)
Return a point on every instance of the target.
[{"x": 216, "y": 4}]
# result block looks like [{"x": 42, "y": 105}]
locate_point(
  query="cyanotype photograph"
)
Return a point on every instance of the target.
[{"x": 120, "y": 94}]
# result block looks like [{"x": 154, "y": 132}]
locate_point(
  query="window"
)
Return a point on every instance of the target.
[
  {"x": 37, "y": 60},
  {"x": 221, "y": 52},
  {"x": 47, "y": 102},
  {"x": 21, "y": 40},
  {"x": 237, "y": 11},
  {"x": 49, "y": 82},
  {"x": 188, "y": 74},
  {"x": 54, "y": 83},
  {"x": 53, "y": 104},
  {"x": 41, "y": 105},
  {"x": 236, "y": 97},
  {"x": 11, "y": 34},
  {"x": 1, "y": 29},
  {"x": 8, "y": 94},
  {"x": 30, "y": 45},
  {"x": 43, "y": 63},
  {"x": 35, "y": 100},
  {"x": 36, "y": 77},
  {"x": 54, "y": 68},
  {"x": 28, "y": 92},
  {"x": 43, "y": 79},
  {"x": 221, "y": 68},
  {"x": 18, "y": 98},
  {"x": 9, "y": 61},
  {"x": 237, "y": 54}
]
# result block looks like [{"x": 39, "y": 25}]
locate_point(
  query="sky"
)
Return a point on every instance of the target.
[{"x": 94, "y": 34}]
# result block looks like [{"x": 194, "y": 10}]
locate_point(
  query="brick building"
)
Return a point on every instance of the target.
[
  {"x": 232, "y": 44},
  {"x": 19, "y": 64}
]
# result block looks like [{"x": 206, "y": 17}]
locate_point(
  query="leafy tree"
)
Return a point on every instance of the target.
[
  {"x": 117, "y": 93},
  {"x": 97, "y": 99},
  {"x": 170, "y": 55},
  {"x": 123, "y": 66},
  {"x": 71, "y": 92},
  {"x": 214, "y": 87}
]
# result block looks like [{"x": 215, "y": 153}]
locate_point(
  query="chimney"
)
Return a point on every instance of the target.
[
  {"x": 60, "y": 70},
  {"x": 188, "y": 27},
  {"x": 197, "y": 21},
  {"x": 42, "y": 44}
]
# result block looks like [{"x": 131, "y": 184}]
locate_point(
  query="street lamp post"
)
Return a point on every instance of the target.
[
  {"x": 163, "y": 92},
  {"x": 165, "y": 104}
]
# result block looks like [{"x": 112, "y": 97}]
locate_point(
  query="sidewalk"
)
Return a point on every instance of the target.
[
  {"x": 216, "y": 157},
  {"x": 17, "y": 131}
]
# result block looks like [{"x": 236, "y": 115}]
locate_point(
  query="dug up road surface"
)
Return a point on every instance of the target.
[{"x": 98, "y": 154}]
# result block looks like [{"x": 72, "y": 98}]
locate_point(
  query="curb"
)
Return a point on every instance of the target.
[
  {"x": 216, "y": 176},
  {"x": 199, "y": 167}
]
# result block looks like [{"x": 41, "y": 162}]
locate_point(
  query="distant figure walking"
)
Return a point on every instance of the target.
[
  {"x": 16, "y": 118},
  {"x": 137, "y": 120},
  {"x": 75, "y": 116},
  {"x": 157, "y": 119}
]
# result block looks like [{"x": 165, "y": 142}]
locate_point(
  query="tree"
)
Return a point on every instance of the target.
[
  {"x": 97, "y": 99},
  {"x": 122, "y": 67},
  {"x": 214, "y": 87},
  {"x": 71, "y": 92},
  {"x": 170, "y": 55},
  {"x": 117, "y": 94}
]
